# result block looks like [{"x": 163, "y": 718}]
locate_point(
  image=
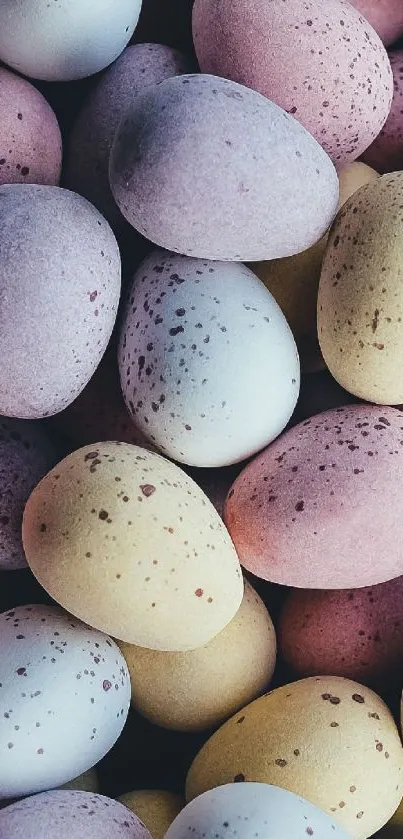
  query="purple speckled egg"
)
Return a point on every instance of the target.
[
  {"x": 322, "y": 506},
  {"x": 386, "y": 152},
  {"x": 70, "y": 814},
  {"x": 90, "y": 142},
  {"x": 185, "y": 153},
  {"x": 321, "y": 62},
  {"x": 30, "y": 139},
  {"x": 26, "y": 455},
  {"x": 386, "y": 16},
  {"x": 60, "y": 287}
]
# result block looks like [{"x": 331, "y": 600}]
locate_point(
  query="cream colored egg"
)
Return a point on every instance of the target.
[
  {"x": 156, "y": 808},
  {"x": 352, "y": 177},
  {"x": 126, "y": 541},
  {"x": 180, "y": 690},
  {"x": 328, "y": 739}
]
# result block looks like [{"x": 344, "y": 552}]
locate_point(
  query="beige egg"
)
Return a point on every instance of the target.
[
  {"x": 156, "y": 808},
  {"x": 360, "y": 301},
  {"x": 124, "y": 540},
  {"x": 294, "y": 281},
  {"x": 87, "y": 782},
  {"x": 394, "y": 828},
  {"x": 328, "y": 739},
  {"x": 179, "y": 690}
]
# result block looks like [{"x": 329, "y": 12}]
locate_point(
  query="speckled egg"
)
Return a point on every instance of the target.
[
  {"x": 353, "y": 633},
  {"x": 179, "y": 690},
  {"x": 193, "y": 335},
  {"x": 123, "y": 539},
  {"x": 264, "y": 811},
  {"x": 321, "y": 62},
  {"x": 60, "y": 269},
  {"x": 185, "y": 152},
  {"x": 328, "y": 739},
  {"x": 67, "y": 39},
  {"x": 386, "y": 16},
  {"x": 386, "y": 152},
  {"x": 30, "y": 139},
  {"x": 360, "y": 301},
  {"x": 156, "y": 808},
  {"x": 26, "y": 455},
  {"x": 90, "y": 142},
  {"x": 321, "y": 507},
  {"x": 64, "y": 698},
  {"x": 70, "y": 814}
]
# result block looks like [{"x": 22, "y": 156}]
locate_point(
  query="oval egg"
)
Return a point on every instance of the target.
[
  {"x": 156, "y": 808},
  {"x": 386, "y": 16},
  {"x": 386, "y": 152}
]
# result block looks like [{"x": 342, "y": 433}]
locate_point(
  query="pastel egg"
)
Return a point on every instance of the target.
[
  {"x": 295, "y": 737},
  {"x": 30, "y": 139},
  {"x": 198, "y": 157},
  {"x": 70, "y": 814},
  {"x": 156, "y": 808},
  {"x": 26, "y": 455},
  {"x": 360, "y": 311},
  {"x": 314, "y": 60},
  {"x": 65, "y": 40},
  {"x": 353, "y": 633},
  {"x": 386, "y": 16},
  {"x": 60, "y": 268},
  {"x": 90, "y": 141},
  {"x": 386, "y": 152},
  {"x": 187, "y": 323},
  {"x": 304, "y": 513},
  {"x": 179, "y": 690},
  {"x": 263, "y": 810},
  {"x": 151, "y": 562},
  {"x": 64, "y": 698}
]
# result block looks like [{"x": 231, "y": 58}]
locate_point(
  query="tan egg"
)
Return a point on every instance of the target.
[
  {"x": 327, "y": 739},
  {"x": 352, "y": 177},
  {"x": 180, "y": 690},
  {"x": 124, "y": 540},
  {"x": 360, "y": 301},
  {"x": 87, "y": 782},
  {"x": 156, "y": 808},
  {"x": 394, "y": 828}
]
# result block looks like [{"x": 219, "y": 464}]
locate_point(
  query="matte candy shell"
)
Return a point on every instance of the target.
[
  {"x": 185, "y": 152},
  {"x": 156, "y": 808},
  {"x": 322, "y": 506},
  {"x": 386, "y": 16},
  {"x": 386, "y": 152}
]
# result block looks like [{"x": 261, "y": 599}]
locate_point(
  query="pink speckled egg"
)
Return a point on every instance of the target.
[
  {"x": 30, "y": 139},
  {"x": 322, "y": 506},
  {"x": 321, "y": 62},
  {"x": 353, "y": 633},
  {"x": 386, "y": 152},
  {"x": 386, "y": 16}
]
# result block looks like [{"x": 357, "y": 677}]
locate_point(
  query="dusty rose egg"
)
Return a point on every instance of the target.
[
  {"x": 386, "y": 152},
  {"x": 321, "y": 62},
  {"x": 386, "y": 16},
  {"x": 30, "y": 139},
  {"x": 322, "y": 506}
]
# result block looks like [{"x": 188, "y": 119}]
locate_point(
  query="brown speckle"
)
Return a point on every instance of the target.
[
  {"x": 147, "y": 490},
  {"x": 358, "y": 698},
  {"x": 199, "y": 592},
  {"x": 103, "y": 515}
]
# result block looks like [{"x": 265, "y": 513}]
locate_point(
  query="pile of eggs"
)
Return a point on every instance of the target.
[{"x": 201, "y": 419}]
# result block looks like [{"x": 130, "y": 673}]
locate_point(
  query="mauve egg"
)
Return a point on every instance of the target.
[
  {"x": 321, "y": 62},
  {"x": 60, "y": 286},
  {"x": 322, "y": 506},
  {"x": 386, "y": 16},
  {"x": 186, "y": 152},
  {"x": 386, "y": 152},
  {"x": 30, "y": 139}
]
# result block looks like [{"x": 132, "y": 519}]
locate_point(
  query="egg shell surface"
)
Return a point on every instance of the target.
[
  {"x": 70, "y": 814},
  {"x": 64, "y": 40},
  {"x": 360, "y": 300},
  {"x": 263, "y": 810},
  {"x": 123, "y": 539},
  {"x": 321, "y": 507},
  {"x": 192, "y": 334},
  {"x": 386, "y": 152},
  {"x": 184, "y": 153},
  {"x": 64, "y": 698},
  {"x": 386, "y": 16},
  {"x": 353, "y": 633},
  {"x": 60, "y": 268},
  {"x": 297, "y": 735},
  {"x": 30, "y": 139},
  {"x": 156, "y": 808}
]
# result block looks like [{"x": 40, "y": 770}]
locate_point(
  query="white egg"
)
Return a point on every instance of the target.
[
  {"x": 208, "y": 364},
  {"x": 252, "y": 811},
  {"x": 64, "y": 698},
  {"x": 60, "y": 40}
]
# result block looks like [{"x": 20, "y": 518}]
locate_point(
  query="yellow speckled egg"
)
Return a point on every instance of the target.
[
  {"x": 328, "y": 739},
  {"x": 127, "y": 542},
  {"x": 360, "y": 302},
  {"x": 156, "y": 808},
  {"x": 394, "y": 828},
  {"x": 179, "y": 690}
]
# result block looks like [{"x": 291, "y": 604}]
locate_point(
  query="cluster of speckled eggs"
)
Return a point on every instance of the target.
[{"x": 201, "y": 419}]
